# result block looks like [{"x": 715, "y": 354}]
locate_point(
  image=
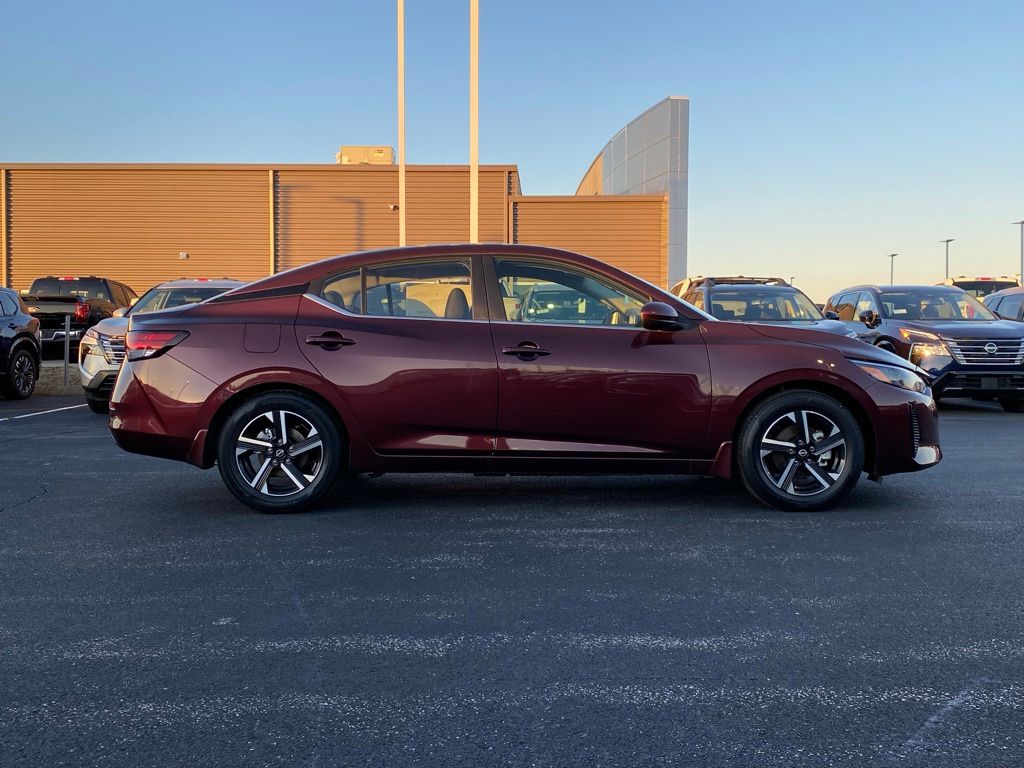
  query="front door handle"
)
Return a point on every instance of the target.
[
  {"x": 329, "y": 341},
  {"x": 526, "y": 350}
]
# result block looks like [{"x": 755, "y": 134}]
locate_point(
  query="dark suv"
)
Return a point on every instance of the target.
[
  {"x": 19, "y": 347},
  {"x": 768, "y": 300},
  {"x": 1007, "y": 303},
  {"x": 966, "y": 349}
]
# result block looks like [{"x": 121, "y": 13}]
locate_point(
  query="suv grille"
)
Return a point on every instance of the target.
[
  {"x": 998, "y": 352},
  {"x": 113, "y": 348}
]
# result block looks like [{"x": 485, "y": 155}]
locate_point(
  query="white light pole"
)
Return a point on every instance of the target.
[
  {"x": 1021, "y": 225},
  {"x": 474, "y": 121},
  {"x": 892, "y": 261},
  {"x": 401, "y": 122},
  {"x": 947, "y": 242}
]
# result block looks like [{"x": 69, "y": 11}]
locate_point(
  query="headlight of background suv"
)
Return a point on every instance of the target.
[
  {"x": 924, "y": 345},
  {"x": 891, "y": 374},
  {"x": 90, "y": 345}
]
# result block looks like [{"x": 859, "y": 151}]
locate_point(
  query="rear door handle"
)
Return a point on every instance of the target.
[
  {"x": 526, "y": 350},
  {"x": 330, "y": 341}
]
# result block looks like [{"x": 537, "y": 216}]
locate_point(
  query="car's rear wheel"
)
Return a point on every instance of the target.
[
  {"x": 800, "y": 451},
  {"x": 97, "y": 404},
  {"x": 1012, "y": 404},
  {"x": 22, "y": 374},
  {"x": 279, "y": 452}
]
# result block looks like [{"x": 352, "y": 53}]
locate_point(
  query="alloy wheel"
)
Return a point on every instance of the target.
[
  {"x": 803, "y": 453},
  {"x": 279, "y": 453},
  {"x": 24, "y": 374}
]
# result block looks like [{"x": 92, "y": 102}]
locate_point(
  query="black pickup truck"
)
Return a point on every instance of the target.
[{"x": 86, "y": 300}]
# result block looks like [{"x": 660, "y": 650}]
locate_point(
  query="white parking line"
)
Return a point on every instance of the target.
[{"x": 42, "y": 413}]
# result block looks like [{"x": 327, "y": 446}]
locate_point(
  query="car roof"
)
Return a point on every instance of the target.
[
  {"x": 197, "y": 282},
  {"x": 900, "y": 287},
  {"x": 752, "y": 287},
  {"x": 1007, "y": 291}
]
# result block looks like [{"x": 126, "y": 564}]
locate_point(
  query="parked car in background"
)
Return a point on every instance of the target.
[
  {"x": 1007, "y": 303},
  {"x": 102, "y": 347},
  {"x": 409, "y": 360},
  {"x": 967, "y": 350},
  {"x": 20, "y": 348},
  {"x": 769, "y": 300},
  {"x": 981, "y": 286},
  {"x": 86, "y": 300}
]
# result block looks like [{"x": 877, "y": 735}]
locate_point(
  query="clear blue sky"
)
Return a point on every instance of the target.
[{"x": 823, "y": 134}]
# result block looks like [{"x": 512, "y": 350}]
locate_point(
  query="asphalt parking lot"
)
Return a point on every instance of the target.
[{"x": 146, "y": 618}]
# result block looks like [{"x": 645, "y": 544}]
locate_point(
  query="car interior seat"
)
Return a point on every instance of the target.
[
  {"x": 457, "y": 307},
  {"x": 335, "y": 298}
]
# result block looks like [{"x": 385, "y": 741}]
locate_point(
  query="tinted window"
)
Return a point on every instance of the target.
[
  {"x": 556, "y": 294},
  {"x": 753, "y": 304},
  {"x": 865, "y": 304},
  {"x": 1010, "y": 306},
  {"x": 418, "y": 289},
  {"x": 846, "y": 308},
  {"x": 981, "y": 288},
  {"x": 86, "y": 287},
  {"x": 933, "y": 304},
  {"x": 994, "y": 303},
  {"x": 7, "y": 305},
  {"x": 165, "y": 298},
  {"x": 696, "y": 299}
]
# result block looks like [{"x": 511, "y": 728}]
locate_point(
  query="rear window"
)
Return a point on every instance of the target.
[
  {"x": 86, "y": 287},
  {"x": 979, "y": 288},
  {"x": 166, "y": 298}
]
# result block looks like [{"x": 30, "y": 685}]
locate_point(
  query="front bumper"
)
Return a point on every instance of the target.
[
  {"x": 983, "y": 382},
  {"x": 906, "y": 432}
]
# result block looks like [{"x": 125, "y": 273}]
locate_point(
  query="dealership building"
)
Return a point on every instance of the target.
[{"x": 146, "y": 223}]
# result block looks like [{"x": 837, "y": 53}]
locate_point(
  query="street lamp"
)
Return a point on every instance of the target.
[
  {"x": 892, "y": 260},
  {"x": 1021, "y": 225},
  {"x": 947, "y": 242},
  {"x": 400, "y": 28}
]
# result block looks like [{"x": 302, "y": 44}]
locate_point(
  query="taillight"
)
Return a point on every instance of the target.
[
  {"x": 142, "y": 345},
  {"x": 82, "y": 312}
]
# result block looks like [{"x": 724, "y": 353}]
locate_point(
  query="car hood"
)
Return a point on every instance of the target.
[
  {"x": 966, "y": 329},
  {"x": 112, "y": 326},
  {"x": 829, "y": 326},
  {"x": 851, "y": 348}
]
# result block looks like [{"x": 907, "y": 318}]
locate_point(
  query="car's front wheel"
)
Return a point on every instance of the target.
[
  {"x": 279, "y": 452},
  {"x": 97, "y": 404},
  {"x": 800, "y": 451},
  {"x": 22, "y": 374}
]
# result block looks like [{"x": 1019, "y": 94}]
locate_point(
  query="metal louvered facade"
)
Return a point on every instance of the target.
[
  {"x": 628, "y": 231},
  {"x": 132, "y": 222}
]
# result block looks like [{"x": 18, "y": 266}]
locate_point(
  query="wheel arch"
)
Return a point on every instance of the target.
[
  {"x": 26, "y": 340},
  {"x": 834, "y": 391},
  {"x": 208, "y": 449}
]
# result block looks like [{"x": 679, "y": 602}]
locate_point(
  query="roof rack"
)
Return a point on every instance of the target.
[{"x": 739, "y": 280}]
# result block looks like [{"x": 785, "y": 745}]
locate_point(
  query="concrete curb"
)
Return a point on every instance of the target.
[{"x": 51, "y": 380}]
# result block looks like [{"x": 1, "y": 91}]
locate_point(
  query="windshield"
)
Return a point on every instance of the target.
[
  {"x": 165, "y": 298},
  {"x": 979, "y": 288},
  {"x": 926, "y": 304},
  {"x": 87, "y": 288},
  {"x": 752, "y": 305}
]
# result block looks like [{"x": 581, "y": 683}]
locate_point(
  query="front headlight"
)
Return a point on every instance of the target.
[
  {"x": 924, "y": 345},
  {"x": 892, "y": 374},
  {"x": 90, "y": 345}
]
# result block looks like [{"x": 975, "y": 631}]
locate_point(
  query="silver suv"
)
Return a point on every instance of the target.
[{"x": 102, "y": 348}]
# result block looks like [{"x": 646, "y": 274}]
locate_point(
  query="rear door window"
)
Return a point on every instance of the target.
[
  {"x": 427, "y": 289},
  {"x": 1010, "y": 306},
  {"x": 846, "y": 307},
  {"x": 7, "y": 305}
]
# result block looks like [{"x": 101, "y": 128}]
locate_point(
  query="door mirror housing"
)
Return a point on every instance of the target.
[
  {"x": 830, "y": 315},
  {"x": 119, "y": 312},
  {"x": 870, "y": 318},
  {"x": 659, "y": 316}
]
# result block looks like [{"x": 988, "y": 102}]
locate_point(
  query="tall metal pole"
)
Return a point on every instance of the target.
[
  {"x": 401, "y": 122},
  {"x": 474, "y": 121},
  {"x": 892, "y": 261},
  {"x": 947, "y": 242},
  {"x": 1021, "y": 225}
]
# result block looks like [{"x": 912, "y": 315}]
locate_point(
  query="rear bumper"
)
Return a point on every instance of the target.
[{"x": 980, "y": 382}]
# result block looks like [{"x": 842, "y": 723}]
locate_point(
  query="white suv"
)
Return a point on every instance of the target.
[{"x": 102, "y": 348}]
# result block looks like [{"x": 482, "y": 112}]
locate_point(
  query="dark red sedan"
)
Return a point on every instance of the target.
[{"x": 506, "y": 358}]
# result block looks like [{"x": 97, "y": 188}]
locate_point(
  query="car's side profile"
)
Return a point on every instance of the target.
[
  {"x": 20, "y": 348},
  {"x": 506, "y": 358}
]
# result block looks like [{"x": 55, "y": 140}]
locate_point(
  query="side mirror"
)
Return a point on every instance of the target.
[
  {"x": 119, "y": 312},
  {"x": 659, "y": 316},
  {"x": 870, "y": 318},
  {"x": 831, "y": 315}
]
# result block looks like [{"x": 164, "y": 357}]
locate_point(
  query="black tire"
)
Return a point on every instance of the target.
[
  {"x": 790, "y": 476},
  {"x": 887, "y": 346},
  {"x": 97, "y": 404},
  {"x": 267, "y": 476},
  {"x": 22, "y": 374},
  {"x": 1012, "y": 404}
]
